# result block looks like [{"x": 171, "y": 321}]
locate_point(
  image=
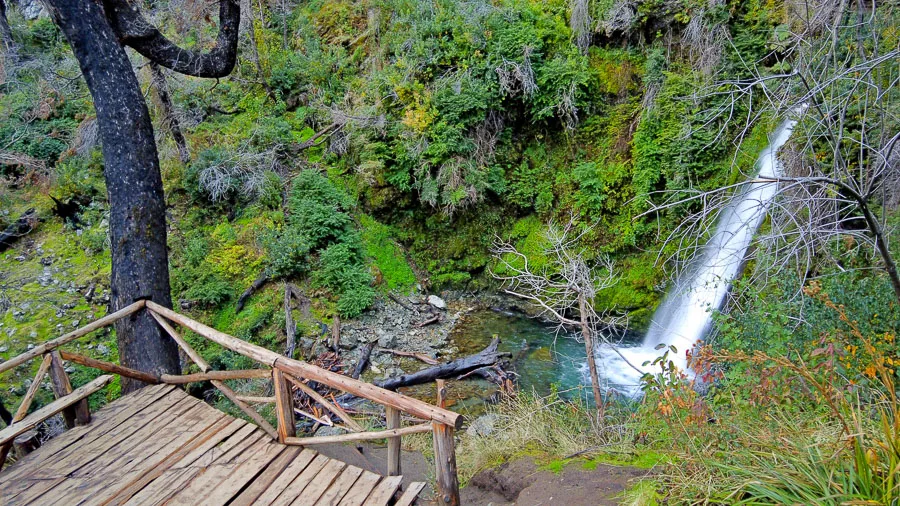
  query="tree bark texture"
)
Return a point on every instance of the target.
[{"x": 131, "y": 168}]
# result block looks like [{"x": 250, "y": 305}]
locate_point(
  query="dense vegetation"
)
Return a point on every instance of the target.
[{"x": 362, "y": 147}]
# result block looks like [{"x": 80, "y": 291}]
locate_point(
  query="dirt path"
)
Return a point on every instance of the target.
[{"x": 522, "y": 483}]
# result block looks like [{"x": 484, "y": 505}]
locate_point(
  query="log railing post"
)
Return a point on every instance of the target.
[
  {"x": 392, "y": 419},
  {"x": 445, "y": 464},
  {"x": 79, "y": 414},
  {"x": 284, "y": 406}
]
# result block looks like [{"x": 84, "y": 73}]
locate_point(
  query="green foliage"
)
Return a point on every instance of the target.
[
  {"x": 81, "y": 178},
  {"x": 388, "y": 258}
]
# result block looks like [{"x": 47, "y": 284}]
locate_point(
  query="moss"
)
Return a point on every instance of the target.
[{"x": 386, "y": 255}]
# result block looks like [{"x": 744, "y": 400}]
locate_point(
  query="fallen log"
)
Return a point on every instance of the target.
[
  {"x": 289, "y": 327},
  {"x": 418, "y": 356},
  {"x": 18, "y": 228},
  {"x": 363, "y": 360},
  {"x": 402, "y": 304},
  {"x": 256, "y": 285},
  {"x": 336, "y": 333},
  {"x": 433, "y": 319},
  {"x": 486, "y": 357}
]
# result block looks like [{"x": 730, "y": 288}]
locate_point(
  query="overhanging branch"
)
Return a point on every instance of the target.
[{"x": 135, "y": 31}]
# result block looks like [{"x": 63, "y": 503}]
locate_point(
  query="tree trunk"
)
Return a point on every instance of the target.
[
  {"x": 5, "y": 31},
  {"x": 881, "y": 244},
  {"x": 589, "y": 350},
  {"x": 158, "y": 78},
  {"x": 137, "y": 225}
]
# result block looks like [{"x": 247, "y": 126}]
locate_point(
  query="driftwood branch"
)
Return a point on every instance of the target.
[
  {"x": 486, "y": 357},
  {"x": 363, "y": 360},
  {"x": 424, "y": 358},
  {"x": 256, "y": 285}
]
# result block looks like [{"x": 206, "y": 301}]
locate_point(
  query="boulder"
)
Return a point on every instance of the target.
[
  {"x": 437, "y": 302},
  {"x": 483, "y": 425}
]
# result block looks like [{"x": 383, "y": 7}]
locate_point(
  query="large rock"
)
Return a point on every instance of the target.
[
  {"x": 483, "y": 425},
  {"x": 437, "y": 302},
  {"x": 32, "y": 9}
]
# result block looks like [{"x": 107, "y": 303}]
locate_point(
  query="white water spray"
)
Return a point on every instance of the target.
[{"x": 684, "y": 316}]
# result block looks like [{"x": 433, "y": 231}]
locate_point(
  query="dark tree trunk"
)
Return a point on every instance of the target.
[
  {"x": 158, "y": 78},
  {"x": 131, "y": 169},
  {"x": 6, "y": 38}
]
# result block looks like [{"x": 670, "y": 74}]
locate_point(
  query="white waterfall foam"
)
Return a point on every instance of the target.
[{"x": 684, "y": 316}]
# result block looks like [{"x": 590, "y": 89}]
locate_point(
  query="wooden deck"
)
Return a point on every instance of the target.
[{"x": 161, "y": 446}]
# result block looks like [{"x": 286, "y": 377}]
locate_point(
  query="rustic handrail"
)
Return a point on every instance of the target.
[
  {"x": 284, "y": 373},
  {"x": 71, "y": 336},
  {"x": 300, "y": 369}
]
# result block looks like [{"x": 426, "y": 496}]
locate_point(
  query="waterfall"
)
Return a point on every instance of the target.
[{"x": 684, "y": 316}]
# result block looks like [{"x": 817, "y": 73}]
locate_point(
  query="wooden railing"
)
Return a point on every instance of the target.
[{"x": 287, "y": 374}]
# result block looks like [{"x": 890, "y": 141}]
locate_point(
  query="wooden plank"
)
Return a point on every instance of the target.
[
  {"x": 213, "y": 433},
  {"x": 222, "y": 482},
  {"x": 256, "y": 417},
  {"x": 121, "y": 417},
  {"x": 177, "y": 475},
  {"x": 203, "y": 456},
  {"x": 54, "y": 477},
  {"x": 182, "y": 379},
  {"x": 361, "y": 489},
  {"x": 141, "y": 451},
  {"x": 290, "y": 473},
  {"x": 176, "y": 480},
  {"x": 304, "y": 370},
  {"x": 284, "y": 406},
  {"x": 384, "y": 491},
  {"x": 31, "y": 421},
  {"x": 109, "y": 367},
  {"x": 445, "y": 465},
  {"x": 109, "y": 417},
  {"x": 340, "y": 487},
  {"x": 412, "y": 493},
  {"x": 71, "y": 336},
  {"x": 320, "y": 483},
  {"x": 358, "y": 436},
  {"x": 255, "y": 399},
  {"x": 333, "y": 407},
  {"x": 295, "y": 488},
  {"x": 80, "y": 413},
  {"x": 392, "y": 419},
  {"x": 266, "y": 478},
  {"x": 149, "y": 437}
]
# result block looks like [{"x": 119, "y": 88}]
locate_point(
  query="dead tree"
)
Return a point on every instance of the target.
[
  {"x": 98, "y": 32},
  {"x": 563, "y": 289},
  {"x": 170, "y": 120},
  {"x": 839, "y": 174}
]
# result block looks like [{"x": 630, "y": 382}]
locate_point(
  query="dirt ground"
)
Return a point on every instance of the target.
[{"x": 520, "y": 482}]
